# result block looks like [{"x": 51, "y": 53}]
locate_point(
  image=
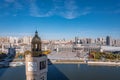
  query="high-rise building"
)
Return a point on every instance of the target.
[
  {"x": 11, "y": 51},
  {"x": 36, "y": 62},
  {"x": 76, "y": 40},
  {"x": 108, "y": 41}
]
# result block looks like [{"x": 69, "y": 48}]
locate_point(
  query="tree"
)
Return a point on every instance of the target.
[
  {"x": 27, "y": 52},
  {"x": 2, "y": 55}
]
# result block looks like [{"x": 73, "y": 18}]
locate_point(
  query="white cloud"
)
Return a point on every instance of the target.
[
  {"x": 37, "y": 11},
  {"x": 34, "y": 11},
  {"x": 70, "y": 9},
  {"x": 64, "y": 8},
  {"x": 73, "y": 11},
  {"x": 72, "y": 15}
]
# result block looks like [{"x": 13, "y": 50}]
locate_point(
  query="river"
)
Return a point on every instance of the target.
[{"x": 66, "y": 72}]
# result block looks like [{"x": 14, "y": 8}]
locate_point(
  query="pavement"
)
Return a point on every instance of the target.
[{"x": 63, "y": 56}]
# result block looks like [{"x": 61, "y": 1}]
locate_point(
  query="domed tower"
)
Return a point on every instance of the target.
[
  {"x": 36, "y": 62},
  {"x": 36, "y": 45}
]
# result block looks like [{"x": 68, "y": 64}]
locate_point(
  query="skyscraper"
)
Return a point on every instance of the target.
[{"x": 108, "y": 41}]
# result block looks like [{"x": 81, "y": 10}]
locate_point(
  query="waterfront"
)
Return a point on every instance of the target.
[{"x": 66, "y": 72}]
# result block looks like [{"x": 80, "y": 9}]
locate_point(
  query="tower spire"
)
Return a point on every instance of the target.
[{"x": 36, "y": 33}]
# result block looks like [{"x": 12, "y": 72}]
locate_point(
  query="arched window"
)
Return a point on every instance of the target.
[{"x": 36, "y": 46}]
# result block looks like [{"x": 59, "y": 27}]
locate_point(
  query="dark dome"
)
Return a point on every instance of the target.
[{"x": 36, "y": 38}]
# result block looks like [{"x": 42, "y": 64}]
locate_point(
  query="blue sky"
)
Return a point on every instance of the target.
[{"x": 58, "y": 19}]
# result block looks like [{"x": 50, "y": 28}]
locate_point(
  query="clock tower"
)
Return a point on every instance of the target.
[{"x": 36, "y": 62}]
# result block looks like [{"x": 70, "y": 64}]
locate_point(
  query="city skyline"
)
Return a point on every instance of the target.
[{"x": 60, "y": 19}]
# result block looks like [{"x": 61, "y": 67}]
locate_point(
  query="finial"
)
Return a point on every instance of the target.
[{"x": 36, "y": 33}]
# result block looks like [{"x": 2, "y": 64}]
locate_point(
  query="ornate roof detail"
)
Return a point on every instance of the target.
[{"x": 36, "y": 38}]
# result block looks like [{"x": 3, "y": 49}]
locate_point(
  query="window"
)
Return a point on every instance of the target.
[
  {"x": 42, "y": 78},
  {"x": 36, "y": 46},
  {"x": 42, "y": 65}
]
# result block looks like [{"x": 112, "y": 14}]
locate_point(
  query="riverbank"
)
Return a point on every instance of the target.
[
  {"x": 94, "y": 63},
  {"x": 66, "y": 62},
  {"x": 104, "y": 63},
  {"x": 91, "y": 63}
]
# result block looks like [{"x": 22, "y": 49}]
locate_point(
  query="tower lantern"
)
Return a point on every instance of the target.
[{"x": 36, "y": 45}]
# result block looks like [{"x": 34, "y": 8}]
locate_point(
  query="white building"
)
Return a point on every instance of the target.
[
  {"x": 110, "y": 48},
  {"x": 13, "y": 40},
  {"x": 27, "y": 40}
]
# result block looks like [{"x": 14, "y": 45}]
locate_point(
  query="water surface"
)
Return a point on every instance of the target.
[{"x": 66, "y": 72}]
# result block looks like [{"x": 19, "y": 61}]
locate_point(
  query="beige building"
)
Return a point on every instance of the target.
[{"x": 36, "y": 62}]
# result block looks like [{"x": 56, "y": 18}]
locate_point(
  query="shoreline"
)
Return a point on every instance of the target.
[
  {"x": 68, "y": 63},
  {"x": 103, "y": 63},
  {"x": 91, "y": 63}
]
